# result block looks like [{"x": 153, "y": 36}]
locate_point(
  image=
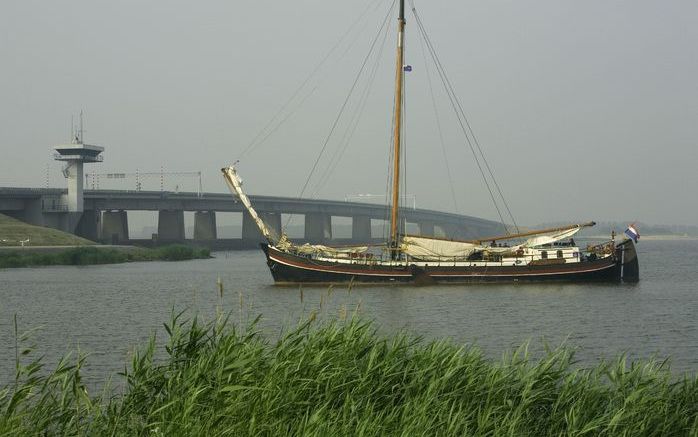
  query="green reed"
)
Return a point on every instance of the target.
[{"x": 343, "y": 378}]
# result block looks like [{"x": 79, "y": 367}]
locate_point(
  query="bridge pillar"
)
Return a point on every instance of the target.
[
  {"x": 318, "y": 227},
  {"x": 88, "y": 226},
  {"x": 114, "y": 226},
  {"x": 205, "y": 225},
  {"x": 171, "y": 225},
  {"x": 426, "y": 229},
  {"x": 250, "y": 231},
  {"x": 249, "y": 228},
  {"x": 273, "y": 222},
  {"x": 361, "y": 228}
]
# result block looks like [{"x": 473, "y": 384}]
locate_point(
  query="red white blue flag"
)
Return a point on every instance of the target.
[{"x": 632, "y": 233}]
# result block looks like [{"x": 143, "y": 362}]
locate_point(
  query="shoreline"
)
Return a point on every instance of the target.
[
  {"x": 62, "y": 248},
  {"x": 37, "y": 256}
]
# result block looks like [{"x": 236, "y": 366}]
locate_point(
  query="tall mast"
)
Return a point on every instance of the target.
[{"x": 399, "y": 74}]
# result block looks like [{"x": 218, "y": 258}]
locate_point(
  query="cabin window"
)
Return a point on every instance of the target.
[
  {"x": 559, "y": 254},
  {"x": 544, "y": 254}
]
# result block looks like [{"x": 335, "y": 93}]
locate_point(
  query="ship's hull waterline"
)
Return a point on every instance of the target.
[{"x": 287, "y": 268}]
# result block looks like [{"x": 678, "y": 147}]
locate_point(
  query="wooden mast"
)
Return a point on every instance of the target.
[{"x": 399, "y": 73}]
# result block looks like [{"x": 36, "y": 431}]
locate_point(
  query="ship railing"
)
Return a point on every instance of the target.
[
  {"x": 601, "y": 248},
  {"x": 553, "y": 253},
  {"x": 502, "y": 260}
]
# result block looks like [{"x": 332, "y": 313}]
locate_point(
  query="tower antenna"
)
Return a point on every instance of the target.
[
  {"x": 75, "y": 155},
  {"x": 81, "y": 130}
]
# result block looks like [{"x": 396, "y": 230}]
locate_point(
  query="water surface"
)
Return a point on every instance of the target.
[{"x": 106, "y": 311}]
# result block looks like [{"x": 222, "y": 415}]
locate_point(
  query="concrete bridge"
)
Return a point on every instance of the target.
[{"x": 105, "y": 216}]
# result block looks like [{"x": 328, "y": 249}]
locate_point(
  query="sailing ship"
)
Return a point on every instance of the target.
[{"x": 542, "y": 255}]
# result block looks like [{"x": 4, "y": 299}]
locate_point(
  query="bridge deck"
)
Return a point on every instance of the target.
[{"x": 47, "y": 206}]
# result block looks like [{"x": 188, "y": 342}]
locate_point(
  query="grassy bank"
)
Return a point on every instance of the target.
[
  {"x": 13, "y": 231},
  {"x": 88, "y": 255},
  {"x": 344, "y": 379}
]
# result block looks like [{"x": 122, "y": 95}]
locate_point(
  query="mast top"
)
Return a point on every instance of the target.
[{"x": 402, "y": 10}]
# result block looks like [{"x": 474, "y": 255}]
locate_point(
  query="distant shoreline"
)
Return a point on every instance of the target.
[{"x": 659, "y": 237}]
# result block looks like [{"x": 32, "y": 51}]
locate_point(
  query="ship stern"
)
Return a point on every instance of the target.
[{"x": 628, "y": 261}]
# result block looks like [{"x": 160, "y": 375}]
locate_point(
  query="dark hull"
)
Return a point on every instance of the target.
[{"x": 289, "y": 268}]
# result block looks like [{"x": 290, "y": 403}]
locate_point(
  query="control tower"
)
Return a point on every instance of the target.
[{"x": 75, "y": 155}]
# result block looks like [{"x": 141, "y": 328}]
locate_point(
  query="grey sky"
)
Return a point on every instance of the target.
[{"x": 585, "y": 109}]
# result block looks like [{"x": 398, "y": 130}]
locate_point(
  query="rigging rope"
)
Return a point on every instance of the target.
[
  {"x": 403, "y": 141},
  {"x": 438, "y": 125},
  {"x": 344, "y": 105},
  {"x": 465, "y": 125},
  {"x": 353, "y": 122},
  {"x": 268, "y": 130},
  {"x": 389, "y": 174}
]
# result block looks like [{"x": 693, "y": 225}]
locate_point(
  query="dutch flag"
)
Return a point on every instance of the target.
[{"x": 632, "y": 233}]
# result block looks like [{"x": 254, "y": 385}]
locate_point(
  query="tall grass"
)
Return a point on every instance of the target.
[
  {"x": 88, "y": 255},
  {"x": 343, "y": 378}
]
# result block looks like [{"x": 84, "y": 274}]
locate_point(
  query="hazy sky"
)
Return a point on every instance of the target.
[{"x": 585, "y": 109}]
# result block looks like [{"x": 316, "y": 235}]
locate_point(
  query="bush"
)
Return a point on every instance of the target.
[
  {"x": 88, "y": 255},
  {"x": 175, "y": 252},
  {"x": 12, "y": 259},
  {"x": 81, "y": 256}
]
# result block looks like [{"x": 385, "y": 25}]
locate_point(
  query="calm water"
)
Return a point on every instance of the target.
[{"x": 106, "y": 311}]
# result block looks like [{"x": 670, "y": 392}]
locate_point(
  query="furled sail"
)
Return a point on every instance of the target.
[
  {"x": 319, "y": 249},
  {"x": 235, "y": 185},
  {"x": 433, "y": 248},
  {"x": 428, "y": 248},
  {"x": 550, "y": 237}
]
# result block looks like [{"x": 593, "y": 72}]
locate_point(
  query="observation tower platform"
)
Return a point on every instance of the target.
[{"x": 75, "y": 155}]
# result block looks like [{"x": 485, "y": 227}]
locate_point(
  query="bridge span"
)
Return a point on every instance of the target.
[{"x": 105, "y": 216}]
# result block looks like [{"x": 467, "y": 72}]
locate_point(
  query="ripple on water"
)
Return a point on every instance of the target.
[{"x": 107, "y": 310}]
